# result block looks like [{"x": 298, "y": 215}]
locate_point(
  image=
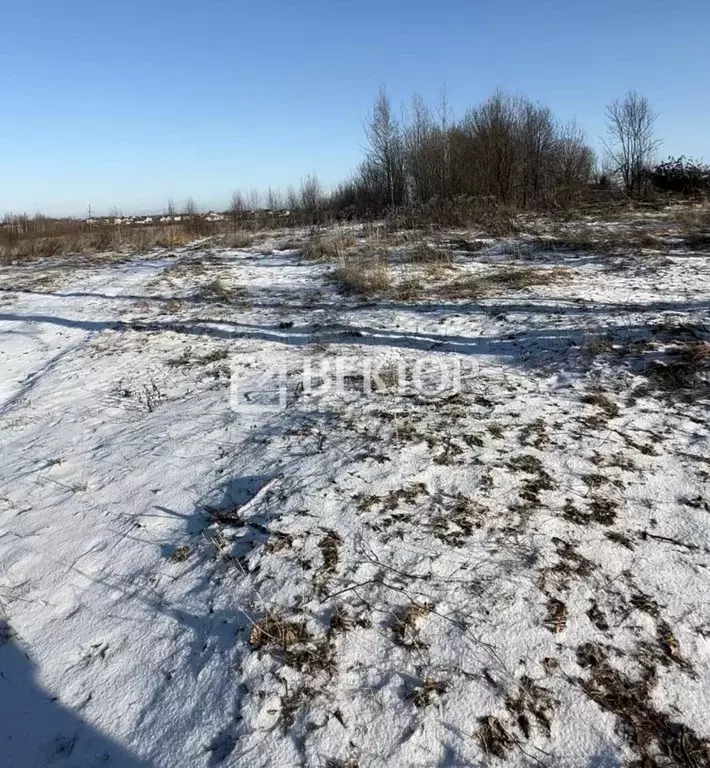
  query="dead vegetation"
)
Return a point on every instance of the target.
[
  {"x": 290, "y": 643},
  {"x": 218, "y": 291},
  {"x": 598, "y": 242},
  {"x": 605, "y": 404},
  {"x": 71, "y": 238},
  {"x": 685, "y": 369},
  {"x": 405, "y": 626},
  {"x": 653, "y": 735},
  {"x": 427, "y": 254},
  {"x": 427, "y": 691},
  {"x": 495, "y": 281},
  {"x": 327, "y": 248},
  {"x": 6, "y": 633},
  {"x": 362, "y": 275},
  {"x": 493, "y": 737},
  {"x": 237, "y": 239},
  {"x": 284, "y": 638},
  {"x": 329, "y": 546}
]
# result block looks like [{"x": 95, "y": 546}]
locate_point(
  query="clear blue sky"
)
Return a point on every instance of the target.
[{"x": 130, "y": 103}]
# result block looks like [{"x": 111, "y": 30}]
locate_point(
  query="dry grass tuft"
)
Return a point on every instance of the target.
[
  {"x": 321, "y": 248},
  {"x": 608, "y": 406},
  {"x": 290, "y": 642},
  {"x": 685, "y": 369},
  {"x": 218, "y": 291},
  {"x": 426, "y": 254},
  {"x": 424, "y": 693},
  {"x": 273, "y": 632},
  {"x": 470, "y": 246},
  {"x": 694, "y": 219},
  {"x": 408, "y": 289},
  {"x": 493, "y": 737},
  {"x": 238, "y": 239},
  {"x": 405, "y": 627},
  {"x": 291, "y": 244},
  {"x": 363, "y": 275}
]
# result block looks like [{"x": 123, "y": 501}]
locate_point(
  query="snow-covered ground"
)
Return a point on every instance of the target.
[{"x": 513, "y": 572}]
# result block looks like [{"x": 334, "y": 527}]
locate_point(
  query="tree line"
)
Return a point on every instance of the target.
[{"x": 506, "y": 151}]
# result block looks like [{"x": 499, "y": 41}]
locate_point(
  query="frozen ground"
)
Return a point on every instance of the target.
[{"x": 514, "y": 574}]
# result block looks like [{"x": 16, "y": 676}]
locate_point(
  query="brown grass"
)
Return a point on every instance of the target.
[
  {"x": 408, "y": 289},
  {"x": 650, "y": 733},
  {"x": 686, "y": 368},
  {"x": 497, "y": 280},
  {"x": 217, "y": 290},
  {"x": 238, "y": 239},
  {"x": 405, "y": 626},
  {"x": 274, "y": 632},
  {"x": 85, "y": 240},
  {"x": 321, "y": 248},
  {"x": 695, "y": 218},
  {"x": 426, "y": 254},
  {"x": 363, "y": 275},
  {"x": 595, "y": 242}
]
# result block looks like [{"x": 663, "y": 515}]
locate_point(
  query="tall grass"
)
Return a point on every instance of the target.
[
  {"x": 363, "y": 275},
  {"x": 29, "y": 239}
]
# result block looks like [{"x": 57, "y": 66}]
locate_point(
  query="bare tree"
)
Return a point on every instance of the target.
[
  {"x": 254, "y": 199},
  {"x": 574, "y": 162},
  {"x": 632, "y": 143},
  {"x": 292, "y": 202},
  {"x": 418, "y": 139},
  {"x": 237, "y": 207},
  {"x": 195, "y": 224},
  {"x": 273, "y": 200},
  {"x": 311, "y": 195},
  {"x": 385, "y": 153},
  {"x": 444, "y": 113}
]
